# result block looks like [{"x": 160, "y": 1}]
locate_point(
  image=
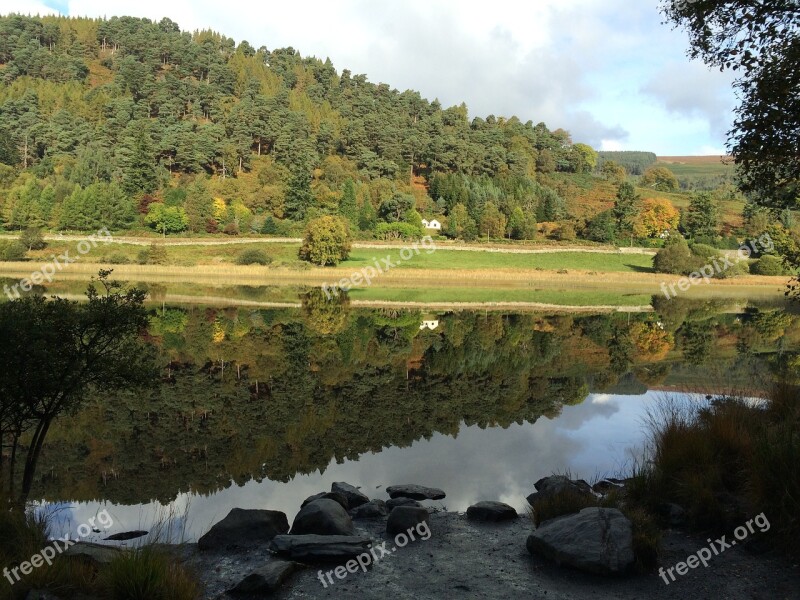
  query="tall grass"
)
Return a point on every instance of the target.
[{"x": 725, "y": 461}]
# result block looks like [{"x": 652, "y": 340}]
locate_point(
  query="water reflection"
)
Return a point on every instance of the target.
[{"x": 262, "y": 408}]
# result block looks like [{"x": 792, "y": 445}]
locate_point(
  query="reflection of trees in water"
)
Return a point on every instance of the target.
[{"x": 283, "y": 392}]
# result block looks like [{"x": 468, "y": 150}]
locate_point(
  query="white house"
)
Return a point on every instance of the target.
[
  {"x": 432, "y": 224},
  {"x": 429, "y": 325}
]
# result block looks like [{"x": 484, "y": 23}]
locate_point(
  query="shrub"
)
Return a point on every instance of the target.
[
  {"x": 326, "y": 241},
  {"x": 32, "y": 239},
  {"x": 397, "y": 231},
  {"x": 12, "y": 250},
  {"x": 231, "y": 229},
  {"x": 676, "y": 259},
  {"x": 154, "y": 255},
  {"x": 253, "y": 256},
  {"x": 117, "y": 259},
  {"x": 769, "y": 265},
  {"x": 566, "y": 232}
]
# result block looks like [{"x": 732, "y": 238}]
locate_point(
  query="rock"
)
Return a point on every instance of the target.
[
  {"x": 244, "y": 527},
  {"x": 605, "y": 486},
  {"x": 595, "y": 540},
  {"x": 352, "y": 494},
  {"x": 311, "y": 548},
  {"x": 674, "y": 514},
  {"x": 415, "y": 492},
  {"x": 371, "y": 510},
  {"x": 403, "y": 518},
  {"x": 491, "y": 511},
  {"x": 267, "y": 579},
  {"x": 558, "y": 484},
  {"x": 401, "y": 501},
  {"x": 336, "y": 497},
  {"x": 323, "y": 517},
  {"x": 125, "y": 535},
  {"x": 96, "y": 554}
]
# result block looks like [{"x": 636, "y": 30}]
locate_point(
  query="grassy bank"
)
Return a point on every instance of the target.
[
  {"x": 138, "y": 574},
  {"x": 727, "y": 461}
]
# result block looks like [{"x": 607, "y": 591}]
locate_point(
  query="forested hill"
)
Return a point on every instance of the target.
[{"x": 99, "y": 119}]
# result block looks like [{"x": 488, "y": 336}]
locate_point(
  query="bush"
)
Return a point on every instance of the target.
[
  {"x": 253, "y": 256},
  {"x": 154, "y": 255},
  {"x": 326, "y": 242},
  {"x": 32, "y": 239},
  {"x": 397, "y": 231},
  {"x": 676, "y": 259},
  {"x": 602, "y": 228},
  {"x": 12, "y": 250},
  {"x": 566, "y": 232},
  {"x": 769, "y": 265},
  {"x": 117, "y": 259},
  {"x": 231, "y": 229}
]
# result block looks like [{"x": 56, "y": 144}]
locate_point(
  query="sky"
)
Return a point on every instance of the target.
[{"x": 608, "y": 71}]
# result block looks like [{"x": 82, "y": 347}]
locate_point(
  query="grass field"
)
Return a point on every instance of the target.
[{"x": 285, "y": 255}]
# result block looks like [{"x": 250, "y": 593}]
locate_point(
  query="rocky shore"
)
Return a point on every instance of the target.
[{"x": 342, "y": 544}]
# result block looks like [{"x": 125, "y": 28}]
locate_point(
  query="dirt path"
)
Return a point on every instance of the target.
[{"x": 440, "y": 245}]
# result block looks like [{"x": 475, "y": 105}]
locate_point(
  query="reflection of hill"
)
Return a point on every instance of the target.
[{"x": 270, "y": 394}]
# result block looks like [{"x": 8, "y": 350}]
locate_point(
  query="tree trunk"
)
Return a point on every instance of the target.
[{"x": 33, "y": 457}]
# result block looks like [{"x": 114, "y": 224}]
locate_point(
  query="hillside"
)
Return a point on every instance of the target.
[{"x": 132, "y": 124}]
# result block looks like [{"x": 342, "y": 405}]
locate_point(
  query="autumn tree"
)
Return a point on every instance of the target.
[
  {"x": 656, "y": 217},
  {"x": 660, "y": 179},
  {"x": 326, "y": 242}
]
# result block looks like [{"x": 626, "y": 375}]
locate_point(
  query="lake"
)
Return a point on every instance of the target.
[{"x": 261, "y": 408}]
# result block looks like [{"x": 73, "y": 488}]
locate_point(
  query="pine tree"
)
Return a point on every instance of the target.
[
  {"x": 137, "y": 160},
  {"x": 348, "y": 207}
]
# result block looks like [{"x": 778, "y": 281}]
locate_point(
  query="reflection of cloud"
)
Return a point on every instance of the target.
[{"x": 478, "y": 464}]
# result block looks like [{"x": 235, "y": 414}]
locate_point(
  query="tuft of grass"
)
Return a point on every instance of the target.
[
  {"x": 146, "y": 574},
  {"x": 726, "y": 461}
]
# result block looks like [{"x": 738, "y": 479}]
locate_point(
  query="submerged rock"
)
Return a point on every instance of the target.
[
  {"x": 322, "y": 517},
  {"x": 311, "y": 548},
  {"x": 595, "y": 540},
  {"x": 125, "y": 535},
  {"x": 415, "y": 492},
  {"x": 353, "y": 495},
  {"x": 244, "y": 527},
  {"x": 491, "y": 511}
]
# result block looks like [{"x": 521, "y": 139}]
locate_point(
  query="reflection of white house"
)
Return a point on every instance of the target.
[
  {"x": 432, "y": 224},
  {"x": 429, "y": 325}
]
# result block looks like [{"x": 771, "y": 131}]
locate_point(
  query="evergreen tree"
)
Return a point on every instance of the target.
[
  {"x": 137, "y": 161},
  {"x": 348, "y": 207}
]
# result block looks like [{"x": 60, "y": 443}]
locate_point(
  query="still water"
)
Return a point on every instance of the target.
[{"x": 263, "y": 408}]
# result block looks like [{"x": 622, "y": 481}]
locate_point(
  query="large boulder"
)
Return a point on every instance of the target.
[
  {"x": 371, "y": 510},
  {"x": 335, "y": 496},
  {"x": 323, "y": 517},
  {"x": 401, "y": 501},
  {"x": 491, "y": 511},
  {"x": 354, "y": 496},
  {"x": 404, "y": 518},
  {"x": 556, "y": 485},
  {"x": 596, "y": 540},
  {"x": 267, "y": 579},
  {"x": 415, "y": 492},
  {"x": 244, "y": 527},
  {"x": 313, "y": 548}
]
